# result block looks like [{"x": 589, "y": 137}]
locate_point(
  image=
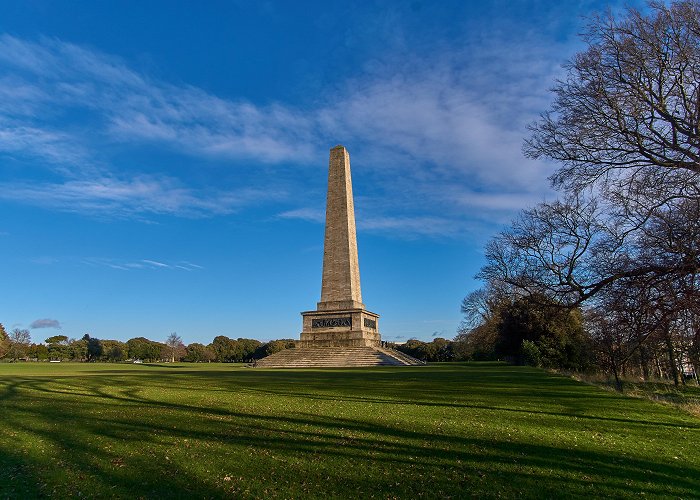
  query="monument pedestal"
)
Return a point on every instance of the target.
[{"x": 355, "y": 327}]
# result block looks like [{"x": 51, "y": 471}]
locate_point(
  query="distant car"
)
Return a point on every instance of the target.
[{"x": 138, "y": 361}]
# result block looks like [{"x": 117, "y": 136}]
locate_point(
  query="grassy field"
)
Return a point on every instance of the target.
[{"x": 455, "y": 430}]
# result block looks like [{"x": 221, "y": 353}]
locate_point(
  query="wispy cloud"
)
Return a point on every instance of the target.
[
  {"x": 141, "y": 264},
  {"x": 139, "y": 195},
  {"x": 412, "y": 226},
  {"x": 58, "y": 149},
  {"x": 49, "y": 81},
  {"x": 189, "y": 265},
  {"x": 45, "y": 323},
  {"x": 404, "y": 226},
  {"x": 308, "y": 214},
  {"x": 130, "y": 106},
  {"x": 154, "y": 263},
  {"x": 438, "y": 138}
]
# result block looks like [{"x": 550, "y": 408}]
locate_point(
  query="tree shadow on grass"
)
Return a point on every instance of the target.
[
  {"x": 436, "y": 387},
  {"x": 578, "y": 400},
  {"x": 88, "y": 424}
]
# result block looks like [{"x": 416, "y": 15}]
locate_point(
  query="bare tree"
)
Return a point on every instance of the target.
[
  {"x": 627, "y": 114},
  {"x": 569, "y": 250},
  {"x": 477, "y": 333},
  {"x": 20, "y": 340},
  {"x": 563, "y": 250},
  {"x": 482, "y": 305},
  {"x": 625, "y": 128},
  {"x": 174, "y": 346}
]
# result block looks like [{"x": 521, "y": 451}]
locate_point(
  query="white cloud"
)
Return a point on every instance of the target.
[
  {"x": 409, "y": 226},
  {"x": 190, "y": 265},
  {"x": 142, "y": 264},
  {"x": 140, "y": 195},
  {"x": 456, "y": 119},
  {"x": 198, "y": 123},
  {"x": 308, "y": 214},
  {"x": 154, "y": 263},
  {"x": 55, "y": 147},
  {"x": 438, "y": 138},
  {"x": 133, "y": 107},
  {"x": 412, "y": 226}
]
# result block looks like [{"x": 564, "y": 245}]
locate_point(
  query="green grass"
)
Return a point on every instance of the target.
[{"x": 454, "y": 430}]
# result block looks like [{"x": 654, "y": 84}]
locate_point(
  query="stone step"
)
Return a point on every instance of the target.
[
  {"x": 409, "y": 360},
  {"x": 310, "y": 357}
]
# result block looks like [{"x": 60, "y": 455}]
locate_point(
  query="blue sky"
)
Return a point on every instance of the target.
[{"x": 163, "y": 164}]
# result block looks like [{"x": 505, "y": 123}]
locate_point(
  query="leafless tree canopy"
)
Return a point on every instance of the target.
[
  {"x": 570, "y": 250},
  {"x": 629, "y": 108},
  {"x": 551, "y": 249},
  {"x": 482, "y": 304},
  {"x": 625, "y": 129},
  {"x": 174, "y": 347}
]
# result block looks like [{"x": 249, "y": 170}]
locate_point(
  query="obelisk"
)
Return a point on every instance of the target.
[
  {"x": 340, "y": 286},
  {"x": 340, "y": 318}
]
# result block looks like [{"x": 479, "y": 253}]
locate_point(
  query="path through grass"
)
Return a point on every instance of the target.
[{"x": 454, "y": 430}]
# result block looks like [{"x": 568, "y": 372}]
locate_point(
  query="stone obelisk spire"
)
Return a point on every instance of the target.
[
  {"x": 340, "y": 288},
  {"x": 340, "y": 318}
]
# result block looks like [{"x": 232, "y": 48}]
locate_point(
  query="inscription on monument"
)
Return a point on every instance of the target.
[
  {"x": 370, "y": 323},
  {"x": 331, "y": 322}
]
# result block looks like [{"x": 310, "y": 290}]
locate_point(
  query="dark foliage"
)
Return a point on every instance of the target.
[
  {"x": 554, "y": 336},
  {"x": 94, "y": 347},
  {"x": 272, "y": 347},
  {"x": 144, "y": 349},
  {"x": 228, "y": 350},
  {"x": 438, "y": 350},
  {"x": 198, "y": 353}
]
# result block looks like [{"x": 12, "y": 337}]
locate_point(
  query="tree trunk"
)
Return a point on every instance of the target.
[
  {"x": 644, "y": 361},
  {"x": 658, "y": 367},
  {"x": 613, "y": 365},
  {"x": 671, "y": 358}
]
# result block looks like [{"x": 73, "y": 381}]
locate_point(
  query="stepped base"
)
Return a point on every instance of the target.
[{"x": 336, "y": 357}]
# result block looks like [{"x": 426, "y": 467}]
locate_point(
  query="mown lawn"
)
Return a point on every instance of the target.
[{"x": 456, "y": 430}]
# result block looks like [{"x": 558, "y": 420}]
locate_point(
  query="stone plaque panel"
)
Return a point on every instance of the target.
[{"x": 331, "y": 322}]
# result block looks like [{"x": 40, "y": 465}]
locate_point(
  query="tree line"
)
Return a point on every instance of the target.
[
  {"x": 17, "y": 345},
  {"x": 612, "y": 266}
]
